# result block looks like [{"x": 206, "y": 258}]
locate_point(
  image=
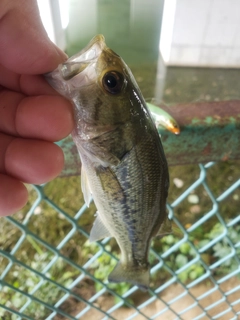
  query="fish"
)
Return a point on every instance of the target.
[{"x": 124, "y": 168}]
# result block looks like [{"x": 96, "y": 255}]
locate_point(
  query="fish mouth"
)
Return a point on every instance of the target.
[
  {"x": 79, "y": 70},
  {"x": 91, "y": 51},
  {"x": 80, "y": 61}
]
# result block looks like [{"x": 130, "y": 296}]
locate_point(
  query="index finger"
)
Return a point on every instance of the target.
[
  {"x": 25, "y": 46},
  {"x": 28, "y": 84}
]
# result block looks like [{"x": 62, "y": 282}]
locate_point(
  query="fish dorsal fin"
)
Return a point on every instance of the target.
[
  {"x": 87, "y": 194},
  {"x": 166, "y": 228},
  {"x": 99, "y": 231}
]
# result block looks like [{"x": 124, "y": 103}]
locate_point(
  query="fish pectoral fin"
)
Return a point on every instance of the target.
[
  {"x": 134, "y": 275},
  {"x": 98, "y": 154},
  {"x": 165, "y": 228},
  {"x": 110, "y": 184},
  {"x": 87, "y": 194},
  {"x": 98, "y": 231}
]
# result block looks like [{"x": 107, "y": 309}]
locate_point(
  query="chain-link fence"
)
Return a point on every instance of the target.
[{"x": 50, "y": 271}]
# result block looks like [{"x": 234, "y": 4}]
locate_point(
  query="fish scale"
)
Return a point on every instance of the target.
[{"x": 123, "y": 163}]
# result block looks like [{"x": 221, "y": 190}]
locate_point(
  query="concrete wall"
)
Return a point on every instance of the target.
[{"x": 201, "y": 33}]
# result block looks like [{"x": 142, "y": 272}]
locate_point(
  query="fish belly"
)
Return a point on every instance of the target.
[{"x": 131, "y": 203}]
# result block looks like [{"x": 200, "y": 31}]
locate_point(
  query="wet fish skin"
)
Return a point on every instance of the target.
[{"x": 123, "y": 163}]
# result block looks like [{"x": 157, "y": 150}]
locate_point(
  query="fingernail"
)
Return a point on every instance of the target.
[{"x": 61, "y": 53}]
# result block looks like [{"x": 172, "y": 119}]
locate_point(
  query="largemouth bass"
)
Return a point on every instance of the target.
[{"x": 123, "y": 163}]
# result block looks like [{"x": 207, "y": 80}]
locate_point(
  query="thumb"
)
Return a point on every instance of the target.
[{"x": 25, "y": 46}]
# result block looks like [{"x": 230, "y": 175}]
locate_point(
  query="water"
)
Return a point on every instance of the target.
[{"x": 132, "y": 28}]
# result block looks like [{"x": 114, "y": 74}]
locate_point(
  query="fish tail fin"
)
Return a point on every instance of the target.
[{"x": 138, "y": 276}]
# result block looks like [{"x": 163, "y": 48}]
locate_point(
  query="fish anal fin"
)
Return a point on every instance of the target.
[
  {"x": 165, "y": 228},
  {"x": 87, "y": 195},
  {"x": 99, "y": 230},
  {"x": 134, "y": 275}
]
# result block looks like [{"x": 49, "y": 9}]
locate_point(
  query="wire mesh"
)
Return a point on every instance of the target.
[{"x": 57, "y": 274}]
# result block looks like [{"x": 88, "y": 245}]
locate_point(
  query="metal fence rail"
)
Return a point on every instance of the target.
[{"x": 193, "y": 277}]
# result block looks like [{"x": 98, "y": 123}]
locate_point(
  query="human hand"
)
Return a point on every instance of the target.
[{"x": 32, "y": 114}]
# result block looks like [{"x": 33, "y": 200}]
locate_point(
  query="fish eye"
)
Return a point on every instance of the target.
[{"x": 113, "y": 82}]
